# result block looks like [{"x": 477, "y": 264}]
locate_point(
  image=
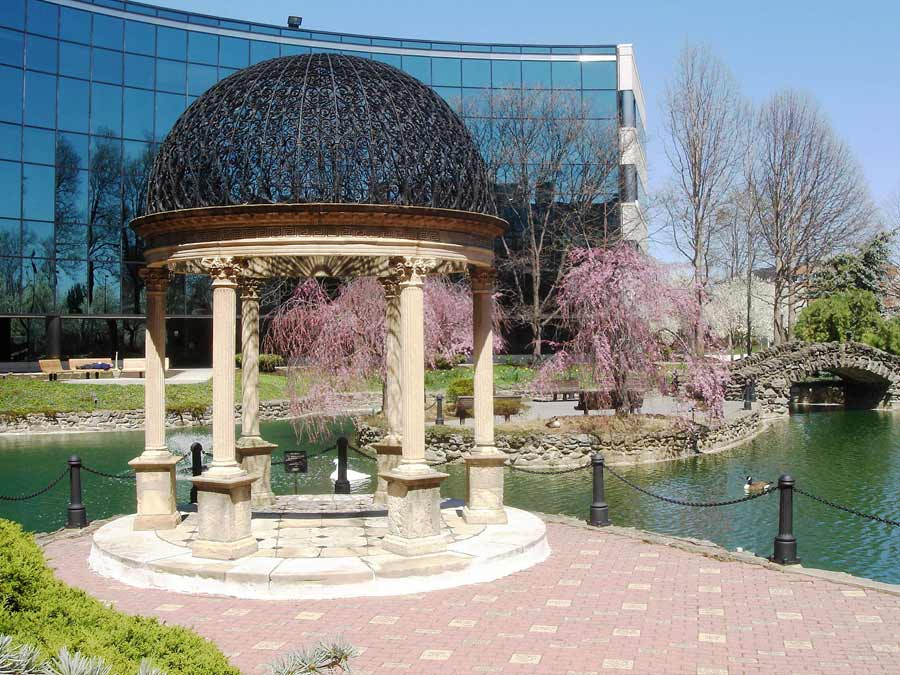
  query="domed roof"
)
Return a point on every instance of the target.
[{"x": 319, "y": 128}]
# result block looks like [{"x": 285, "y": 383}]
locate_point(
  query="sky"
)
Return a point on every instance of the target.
[{"x": 845, "y": 54}]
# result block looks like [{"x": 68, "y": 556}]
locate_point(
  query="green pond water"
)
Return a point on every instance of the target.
[{"x": 851, "y": 457}]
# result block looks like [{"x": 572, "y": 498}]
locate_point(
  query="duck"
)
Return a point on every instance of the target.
[
  {"x": 352, "y": 476},
  {"x": 553, "y": 423},
  {"x": 754, "y": 486}
]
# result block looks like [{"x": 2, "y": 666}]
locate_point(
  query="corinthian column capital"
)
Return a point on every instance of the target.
[
  {"x": 250, "y": 287},
  {"x": 482, "y": 279},
  {"x": 410, "y": 270},
  {"x": 224, "y": 268},
  {"x": 156, "y": 279}
]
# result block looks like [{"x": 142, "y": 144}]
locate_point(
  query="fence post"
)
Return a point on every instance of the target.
[
  {"x": 785, "y": 552},
  {"x": 439, "y": 415},
  {"x": 196, "y": 467},
  {"x": 599, "y": 507},
  {"x": 342, "y": 485},
  {"x": 77, "y": 516},
  {"x": 748, "y": 396}
]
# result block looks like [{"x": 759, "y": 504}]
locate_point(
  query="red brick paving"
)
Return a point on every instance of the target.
[{"x": 602, "y": 603}]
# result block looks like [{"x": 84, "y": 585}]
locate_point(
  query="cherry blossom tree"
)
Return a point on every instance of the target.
[{"x": 624, "y": 311}]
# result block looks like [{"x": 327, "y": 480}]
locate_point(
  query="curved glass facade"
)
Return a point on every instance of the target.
[{"x": 90, "y": 88}]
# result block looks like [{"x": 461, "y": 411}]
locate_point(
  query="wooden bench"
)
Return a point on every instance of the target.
[
  {"x": 139, "y": 366},
  {"x": 74, "y": 366},
  {"x": 565, "y": 388},
  {"x": 466, "y": 403},
  {"x": 52, "y": 368}
]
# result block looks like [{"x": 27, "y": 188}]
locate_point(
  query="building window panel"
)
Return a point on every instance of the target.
[
  {"x": 10, "y": 142},
  {"x": 39, "y": 146},
  {"x": 476, "y": 102},
  {"x": 600, "y": 104},
  {"x": 599, "y": 74},
  {"x": 452, "y": 95},
  {"x": 74, "y": 102},
  {"x": 566, "y": 74},
  {"x": 139, "y": 71},
  {"x": 390, "y": 59},
  {"x": 203, "y": 48},
  {"x": 107, "y": 32},
  {"x": 12, "y": 44},
  {"x": 10, "y": 240},
  {"x": 37, "y": 192},
  {"x": 419, "y": 67},
  {"x": 71, "y": 290},
  {"x": 262, "y": 51},
  {"x": 200, "y": 78},
  {"x": 12, "y": 14},
  {"x": 507, "y": 74},
  {"x": 170, "y": 76},
  {"x": 106, "y": 110},
  {"x": 171, "y": 43},
  {"x": 40, "y": 99},
  {"x": 43, "y": 18},
  {"x": 168, "y": 108},
  {"x": 293, "y": 50},
  {"x": 476, "y": 73},
  {"x": 138, "y": 114},
  {"x": 74, "y": 25},
  {"x": 140, "y": 38},
  {"x": 536, "y": 74},
  {"x": 71, "y": 155},
  {"x": 234, "y": 52},
  {"x": 40, "y": 54},
  {"x": 74, "y": 60},
  {"x": 38, "y": 236},
  {"x": 10, "y": 200},
  {"x": 107, "y": 66},
  {"x": 446, "y": 72},
  {"x": 11, "y": 101}
]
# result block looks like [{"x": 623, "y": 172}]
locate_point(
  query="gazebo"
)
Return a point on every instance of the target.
[{"x": 317, "y": 165}]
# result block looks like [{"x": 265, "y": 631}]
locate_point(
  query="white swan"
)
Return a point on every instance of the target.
[{"x": 352, "y": 476}]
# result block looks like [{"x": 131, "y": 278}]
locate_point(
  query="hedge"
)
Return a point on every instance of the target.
[{"x": 37, "y": 608}]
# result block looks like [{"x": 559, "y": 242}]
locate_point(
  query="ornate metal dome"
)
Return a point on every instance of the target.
[{"x": 319, "y": 128}]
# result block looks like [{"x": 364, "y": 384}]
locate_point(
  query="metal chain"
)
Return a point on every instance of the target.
[
  {"x": 552, "y": 472},
  {"x": 44, "y": 490},
  {"x": 681, "y": 502},
  {"x": 839, "y": 507},
  {"x": 118, "y": 476}
]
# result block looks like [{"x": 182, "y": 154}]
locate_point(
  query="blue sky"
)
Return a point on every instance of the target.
[{"x": 846, "y": 54}]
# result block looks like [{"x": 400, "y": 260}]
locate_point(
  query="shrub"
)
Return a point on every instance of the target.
[
  {"x": 37, "y": 608},
  {"x": 886, "y": 336},
  {"x": 326, "y": 658},
  {"x": 268, "y": 363},
  {"x": 462, "y": 386},
  {"x": 841, "y": 317}
]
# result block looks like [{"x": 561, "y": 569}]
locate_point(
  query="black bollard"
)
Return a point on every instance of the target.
[
  {"x": 748, "y": 400},
  {"x": 599, "y": 507},
  {"x": 439, "y": 415},
  {"x": 785, "y": 552},
  {"x": 196, "y": 467},
  {"x": 77, "y": 516},
  {"x": 342, "y": 485}
]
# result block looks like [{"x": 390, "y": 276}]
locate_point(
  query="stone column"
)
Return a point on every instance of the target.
[
  {"x": 155, "y": 467},
  {"x": 413, "y": 488},
  {"x": 253, "y": 453},
  {"x": 484, "y": 464},
  {"x": 223, "y": 491},
  {"x": 388, "y": 451}
]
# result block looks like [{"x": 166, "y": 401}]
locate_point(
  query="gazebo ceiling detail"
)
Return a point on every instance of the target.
[{"x": 319, "y": 128}]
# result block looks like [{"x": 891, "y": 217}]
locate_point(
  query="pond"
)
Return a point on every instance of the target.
[{"x": 850, "y": 457}]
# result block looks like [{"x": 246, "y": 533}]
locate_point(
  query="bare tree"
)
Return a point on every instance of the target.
[
  {"x": 705, "y": 123},
  {"x": 810, "y": 197},
  {"x": 555, "y": 173}
]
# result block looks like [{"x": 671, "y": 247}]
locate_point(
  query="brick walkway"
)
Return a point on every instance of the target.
[{"x": 603, "y": 602}]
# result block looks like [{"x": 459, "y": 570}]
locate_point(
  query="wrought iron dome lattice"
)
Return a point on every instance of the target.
[{"x": 319, "y": 128}]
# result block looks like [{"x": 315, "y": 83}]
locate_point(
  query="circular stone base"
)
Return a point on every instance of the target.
[{"x": 315, "y": 556}]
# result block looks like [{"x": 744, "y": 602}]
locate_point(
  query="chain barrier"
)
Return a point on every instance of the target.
[
  {"x": 846, "y": 509},
  {"x": 117, "y": 476},
  {"x": 21, "y": 498},
  {"x": 279, "y": 462},
  {"x": 550, "y": 472},
  {"x": 682, "y": 502}
]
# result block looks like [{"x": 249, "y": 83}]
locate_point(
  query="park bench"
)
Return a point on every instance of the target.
[
  {"x": 139, "y": 366},
  {"x": 464, "y": 404},
  {"x": 52, "y": 368},
  {"x": 565, "y": 388},
  {"x": 77, "y": 365}
]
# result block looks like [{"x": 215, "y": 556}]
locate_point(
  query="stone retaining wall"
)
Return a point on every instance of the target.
[
  {"x": 133, "y": 420},
  {"x": 559, "y": 450}
]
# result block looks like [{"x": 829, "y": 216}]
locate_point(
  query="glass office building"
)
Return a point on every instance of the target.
[{"x": 88, "y": 89}]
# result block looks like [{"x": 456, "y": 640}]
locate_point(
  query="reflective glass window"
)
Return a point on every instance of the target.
[
  {"x": 10, "y": 239},
  {"x": 171, "y": 43},
  {"x": 107, "y": 31},
  {"x": 203, "y": 48},
  {"x": 40, "y": 99},
  {"x": 12, "y": 14},
  {"x": 506, "y": 73},
  {"x": 138, "y": 113},
  {"x": 419, "y": 67},
  {"x": 566, "y": 74},
  {"x": 74, "y": 25},
  {"x": 390, "y": 59},
  {"x": 260, "y": 51},
  {"x": 200, "y": 78},
  {"x": 74, "y": 60},
  {"x": 10, "y": 141},
  {"x": 446, "y": 72},
  {"x": 74, "y": 101},
  {"x": 170, "y": 75},
  {"x": 225, "y": 72},
  {"x": 140, "y": 38},
  {"x": 476, "y": 102},
  {"x": 598, "y": 74},
  {"x": 233, "y": 52},
  {"x": 39, "y": 146},
  {"x": 11, "y": 101},
  {"x": 600, "y": 103},
  {"x": 536, "y": 74},
  {"x": 40, "y": 54},
  {"x": 168, "y": 109},
  {"x": 106, "y": 285},
  {"x": 37, "y": 192},
  {"x": 11, "y": 47},
  {"x": 43, "y": 18},
  {"x": 71, "y": 292},
  {"x": 139, "y": 71},
  {"x": 292, "y": 50},
  {"x": 107, "y": 66},
  {"x": 476, "y": 73},
  {"x": 10, "y": 201},
  {"x": 70, "y": 193},
  {"x": 38, "y": 235},
  {"x": 106, "y": 110},
  {"x": 453, "y": 96},
  {"x": 71, "y": 152}
]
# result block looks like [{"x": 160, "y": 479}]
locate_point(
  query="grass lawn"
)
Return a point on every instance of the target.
[{"x": 506, "y": 377}]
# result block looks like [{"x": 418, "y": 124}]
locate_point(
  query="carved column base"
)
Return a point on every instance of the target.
[
  {"x": 387, "y": 455},
  {"x": 255, "y": 457},
  {"x": 484, "y": 487},
  {"x": 414, "y": 513},
  {"x": 155, "y": 481},
  {"x": 223, "y": 508}
]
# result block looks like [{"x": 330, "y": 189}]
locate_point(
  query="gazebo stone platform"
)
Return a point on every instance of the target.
[{"x": 316, "y": 547}]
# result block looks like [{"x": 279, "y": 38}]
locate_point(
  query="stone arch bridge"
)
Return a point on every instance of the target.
[{"x": 871, "y": 375}]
